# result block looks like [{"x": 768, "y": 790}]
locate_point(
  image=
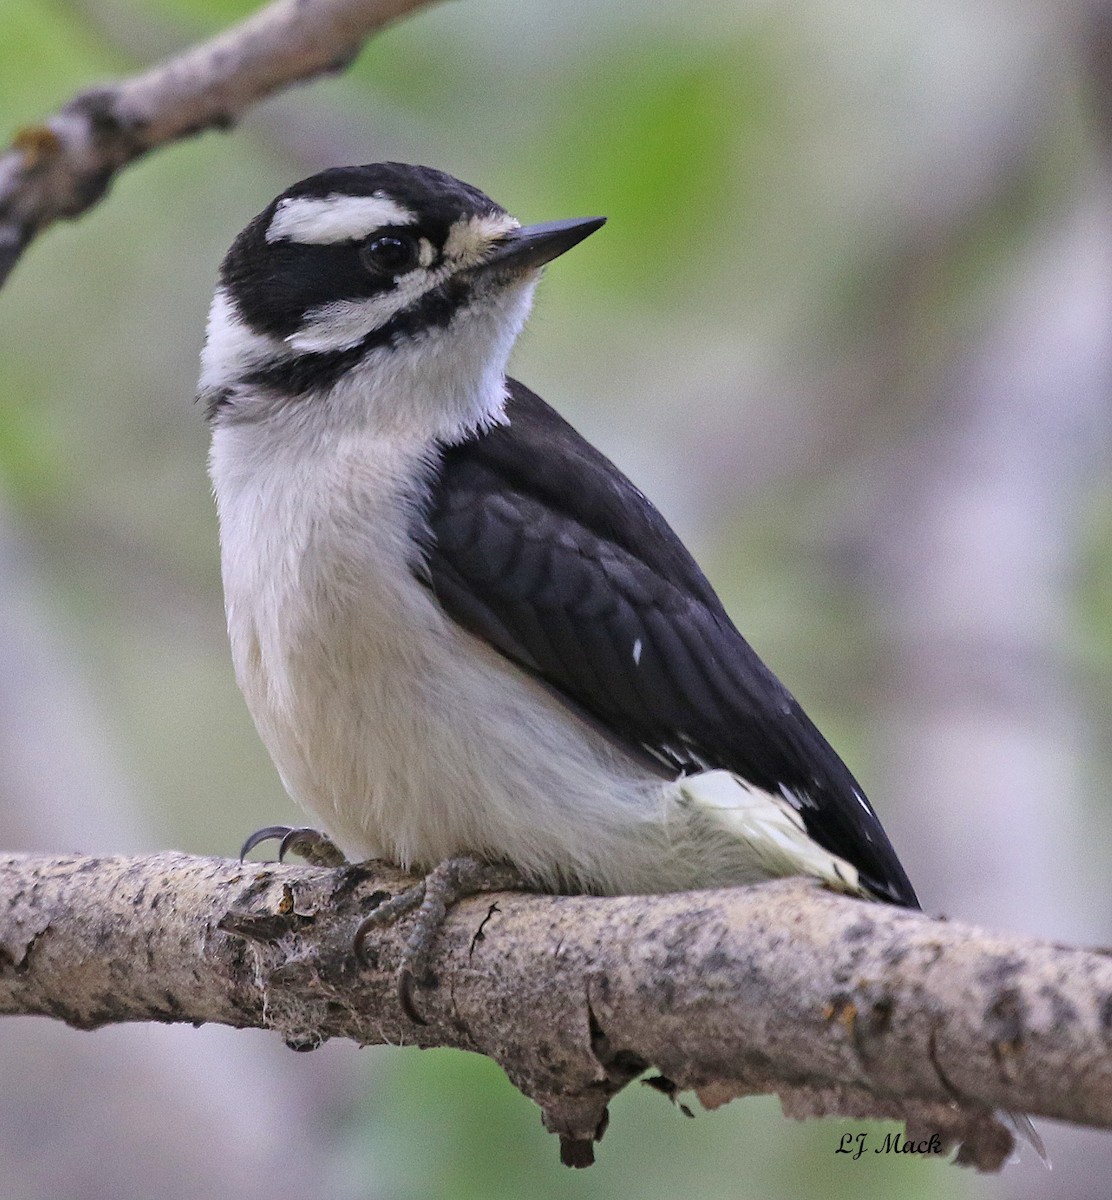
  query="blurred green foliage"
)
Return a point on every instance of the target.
[{"x": 445, "y": 1123}]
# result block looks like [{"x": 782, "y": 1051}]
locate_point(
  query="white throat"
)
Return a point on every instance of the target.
[{"x": 435, "y": 386}]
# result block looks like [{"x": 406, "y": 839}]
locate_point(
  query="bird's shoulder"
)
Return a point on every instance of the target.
[
  {"x": 536, "y": 543},
  {"x": 537, "y": 461}
]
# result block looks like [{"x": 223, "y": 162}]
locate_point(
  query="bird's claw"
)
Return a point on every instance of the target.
[
  {"x": 445, "y": 885},
  {"x": 312, "y": 845}
]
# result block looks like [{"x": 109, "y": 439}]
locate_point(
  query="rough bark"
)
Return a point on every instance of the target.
[
  {"x": 840, "y": 1007},
  {"x": 63, "y": 166}
]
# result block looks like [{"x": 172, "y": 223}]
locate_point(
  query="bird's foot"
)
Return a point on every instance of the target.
[
  {"x": 313, "y": 846},
  {"x": 445, "y": 885}
]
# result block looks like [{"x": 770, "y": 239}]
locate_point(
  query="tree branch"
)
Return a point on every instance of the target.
[
  {"x": 840, "y": 1007},
  {"x": 65, "y": 165}
]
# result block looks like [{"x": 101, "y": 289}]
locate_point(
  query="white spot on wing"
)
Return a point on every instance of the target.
[
  {"x": 637, "y": 647},
  {"x": 322, "y": 220},
  {"x": 791, "y": 797}
]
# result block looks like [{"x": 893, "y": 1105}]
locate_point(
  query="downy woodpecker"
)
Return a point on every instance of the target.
[{"x": 459, "y": 628}]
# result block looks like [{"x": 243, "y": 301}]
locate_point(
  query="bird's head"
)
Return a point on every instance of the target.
[{"x": 388, "y": 294}]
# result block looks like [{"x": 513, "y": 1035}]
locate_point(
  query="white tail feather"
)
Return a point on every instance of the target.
[{"x": 770, "y": 827}]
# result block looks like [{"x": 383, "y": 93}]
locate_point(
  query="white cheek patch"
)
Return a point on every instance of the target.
[
  {"x": 320, "y": 221},
  {"x": 231, "y": 345},
  {"x": 342, "y": 324},
  {"x": 470, "y": 237}
]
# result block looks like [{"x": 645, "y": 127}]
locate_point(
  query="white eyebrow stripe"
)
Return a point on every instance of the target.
[{"x": 322, "y": 220}]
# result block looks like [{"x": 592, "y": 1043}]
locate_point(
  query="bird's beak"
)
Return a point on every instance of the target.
[{"x": 534, "y": 245}]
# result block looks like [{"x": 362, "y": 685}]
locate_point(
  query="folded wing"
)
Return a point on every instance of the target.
[{"x": 539, "y": 545}]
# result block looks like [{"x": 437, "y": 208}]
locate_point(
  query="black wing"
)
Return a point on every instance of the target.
[{"x": 542, "y": 547}]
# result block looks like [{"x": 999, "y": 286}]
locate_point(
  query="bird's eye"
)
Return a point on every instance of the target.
[{"x": 390, "y": 254}]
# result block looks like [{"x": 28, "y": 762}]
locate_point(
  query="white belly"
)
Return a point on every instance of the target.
[
  {"x": 407, "y": 737},
  {"x": 411, "y": 740}
]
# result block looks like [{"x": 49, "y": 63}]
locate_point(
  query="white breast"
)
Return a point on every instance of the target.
[
  {"x": 406, "y": 736},
  {"x": 410, "y": 739}
]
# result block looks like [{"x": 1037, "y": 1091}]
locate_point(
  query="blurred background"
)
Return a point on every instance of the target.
[{"x": 850, "y": 326}]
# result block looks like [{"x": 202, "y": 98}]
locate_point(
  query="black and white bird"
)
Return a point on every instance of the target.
[{"x": 459, "y": 628}]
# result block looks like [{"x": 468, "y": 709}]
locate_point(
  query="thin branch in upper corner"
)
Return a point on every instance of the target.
[{"x": 63, "y": 166}]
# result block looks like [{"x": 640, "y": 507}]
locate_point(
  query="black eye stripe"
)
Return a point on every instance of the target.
[{"x": 275, "y": 285}]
